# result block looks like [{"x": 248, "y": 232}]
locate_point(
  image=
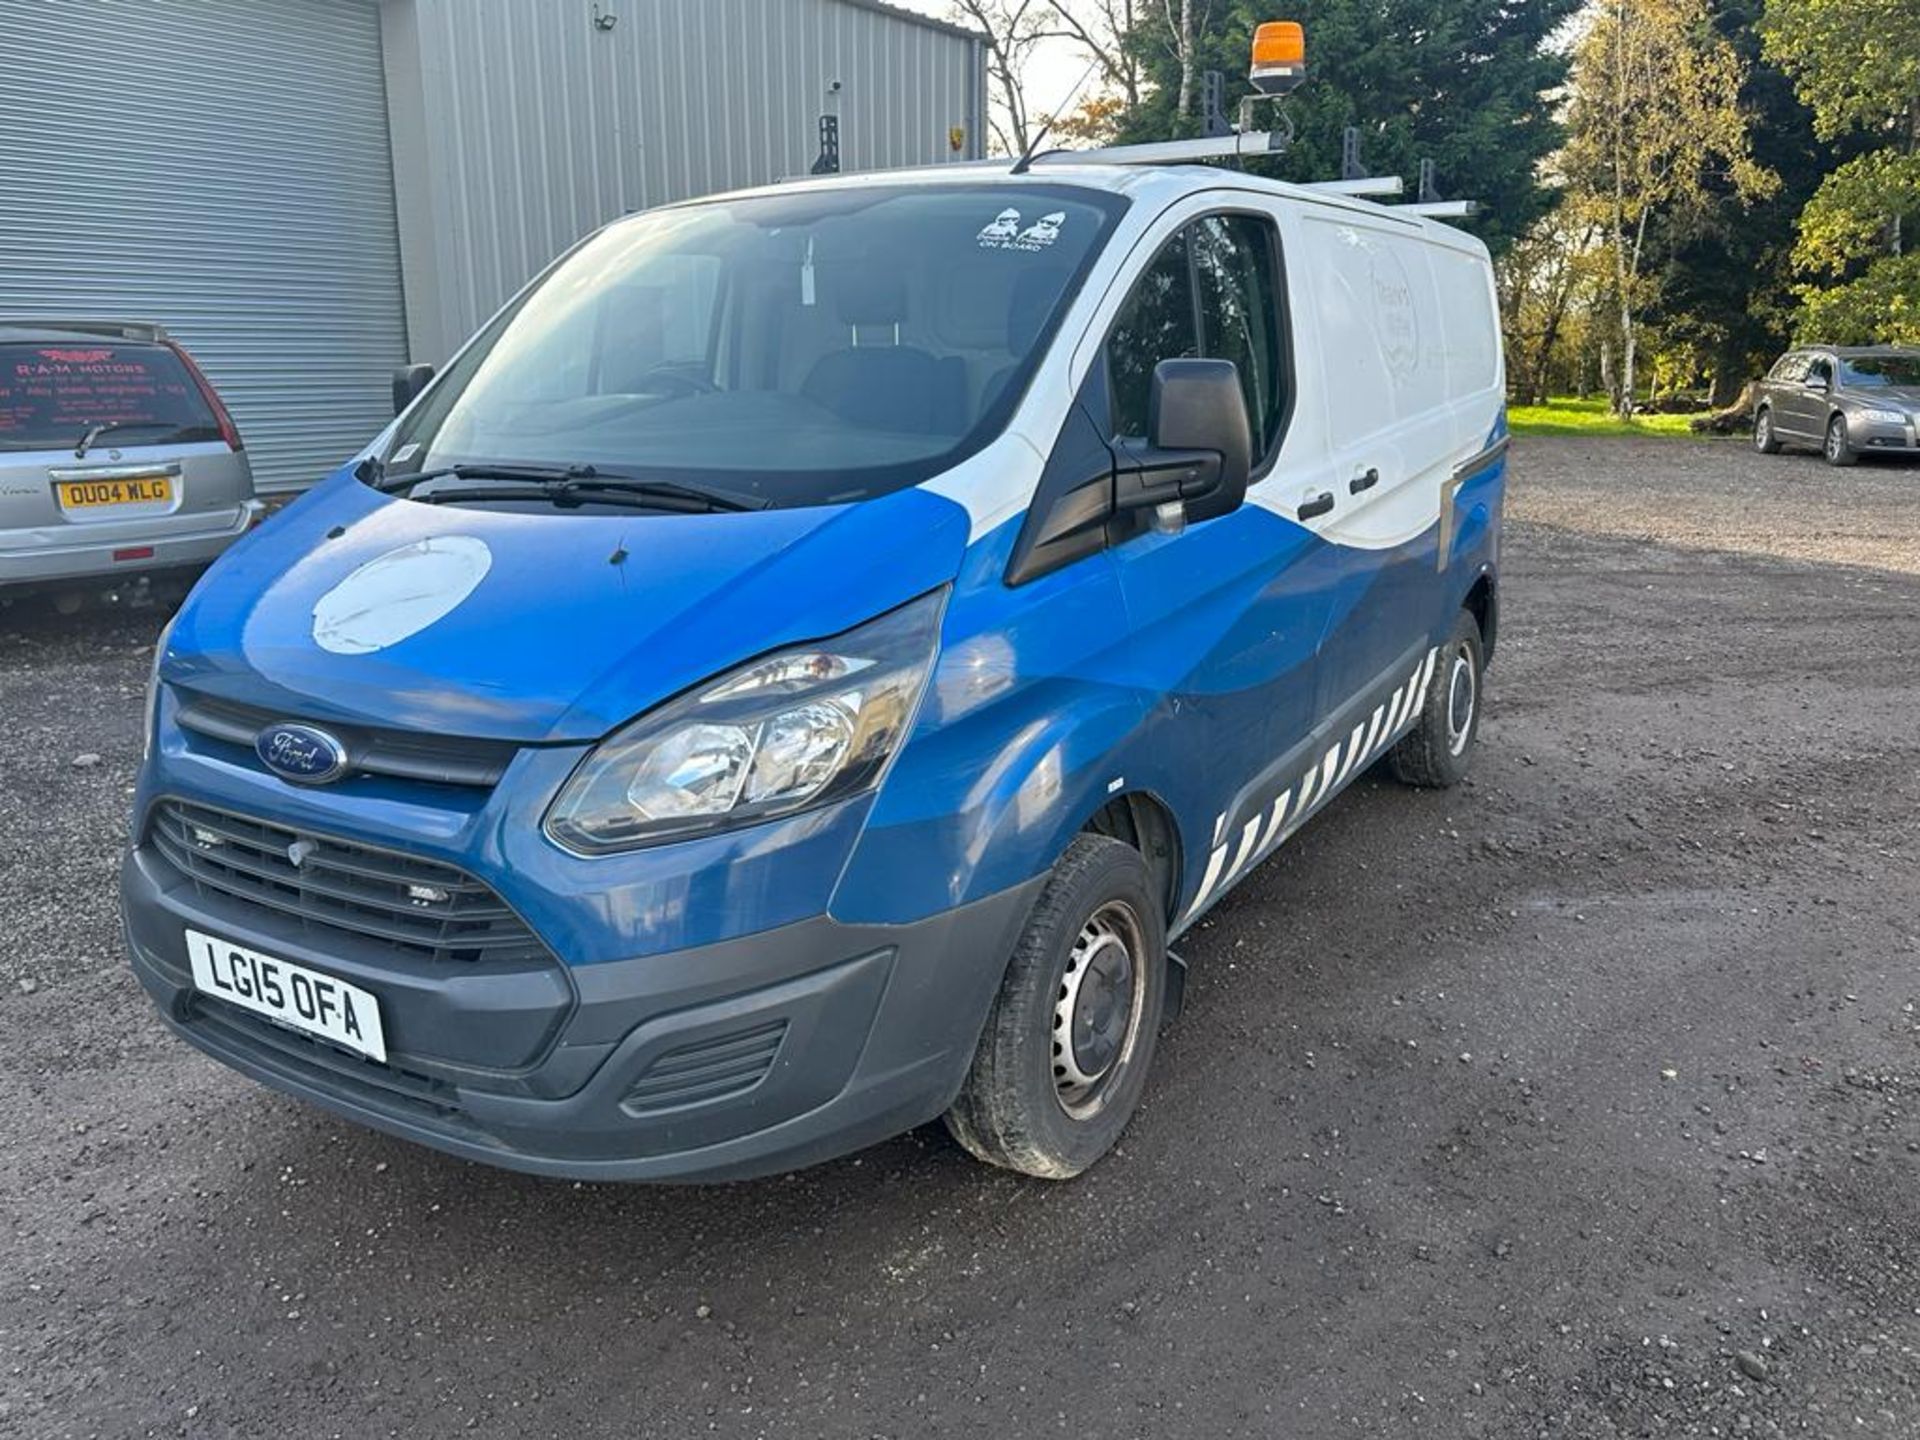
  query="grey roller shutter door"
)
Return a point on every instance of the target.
[{"x": 222, "y": 167}]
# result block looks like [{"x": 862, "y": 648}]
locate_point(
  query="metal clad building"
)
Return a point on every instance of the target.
[
  {"x": 686, "y": 97},
  {"x": 310, "y": 192}
]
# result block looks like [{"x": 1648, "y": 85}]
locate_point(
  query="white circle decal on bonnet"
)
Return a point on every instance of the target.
[{"x": 399, "y": 594}]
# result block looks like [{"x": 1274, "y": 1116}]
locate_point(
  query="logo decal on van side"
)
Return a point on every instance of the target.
[
  {"x": 1393, "y": 303},
  {"x": 399, "y": 594}
]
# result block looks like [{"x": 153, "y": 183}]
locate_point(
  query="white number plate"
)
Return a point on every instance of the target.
[{"x": 292, "y": 994}]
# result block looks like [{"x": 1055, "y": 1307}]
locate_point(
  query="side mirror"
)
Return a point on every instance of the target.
[
  {"x": 408, "y": 382},
  {"x": 1199, "y": 446}
]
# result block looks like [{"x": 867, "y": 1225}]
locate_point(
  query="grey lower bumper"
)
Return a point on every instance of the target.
[
  {"x": 756, "y": 1055},
  {"x": 34, "y": 560}
]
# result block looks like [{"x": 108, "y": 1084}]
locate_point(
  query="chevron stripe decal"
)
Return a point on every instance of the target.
[{"x": 1322, "y": 780}]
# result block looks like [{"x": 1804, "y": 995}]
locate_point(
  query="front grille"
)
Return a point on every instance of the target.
[
  {"x": 400, "y": 754},
  {"x": 419, "y": 907},
  {"x": 710, "y": 1069}
]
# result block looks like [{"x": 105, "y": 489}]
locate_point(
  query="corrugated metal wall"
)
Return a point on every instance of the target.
[
  {"x": 220, "y": 166},
  {"x": 533, "y": 124}
]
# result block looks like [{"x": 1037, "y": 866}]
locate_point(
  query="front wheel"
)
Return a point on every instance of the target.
[
  {"x": 1764, "y": 440},
  {"x": 1436, "y": 753},
  {"x": 1065, "y": 1052},
  {"x": 1839, "y": 447}
]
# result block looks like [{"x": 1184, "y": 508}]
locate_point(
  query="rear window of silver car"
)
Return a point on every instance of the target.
[{"x": 53, "y": 394}]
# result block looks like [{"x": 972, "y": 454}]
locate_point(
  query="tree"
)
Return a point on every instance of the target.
[
  {"x": 1722, "y": 277},
  {"x": 1013, "y": 28},
  {"x": 1548, "y": 282},
  {"x": 1101, "y": 29},
  {"x": 1858, "y": 66},
  {"x": 1469, "y": 84},
  {"x": 1655, "y": 116}
]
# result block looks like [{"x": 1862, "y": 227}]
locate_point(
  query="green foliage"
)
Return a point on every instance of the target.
[
  {"x": 1465, "y": 83},
  {"x": 1857, "y": 64},
  {"x": 1881, "y": 306},
  {"x": 1857, "y": 61},
  {"x": 1846, "y": 221}
]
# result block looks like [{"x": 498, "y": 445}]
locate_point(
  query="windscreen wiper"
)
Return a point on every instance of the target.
[
  {"x": 563, "y": 482},
  {"x": 94, "y": 432}
]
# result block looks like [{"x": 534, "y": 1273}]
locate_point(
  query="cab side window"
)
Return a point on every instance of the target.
[
  {"x": 1820, "y": 373},
  {"x": 1158, "y": 322},
  {"x": 1212, "y": 292}
]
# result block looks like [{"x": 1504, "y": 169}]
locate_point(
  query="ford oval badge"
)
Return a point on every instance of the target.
[{"x": 303, "y": 754}]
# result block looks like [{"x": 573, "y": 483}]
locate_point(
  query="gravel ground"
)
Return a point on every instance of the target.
[{"x": 1595, "y": 1112}]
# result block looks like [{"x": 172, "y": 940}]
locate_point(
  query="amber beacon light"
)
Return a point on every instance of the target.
[{"x": 1279, "y": 57}]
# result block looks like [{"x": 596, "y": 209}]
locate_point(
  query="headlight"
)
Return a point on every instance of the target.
[
  {"x": 1886, "y": 417},
  {"x": 151, "y": 712},
  {"x": 788, "y": 732}
]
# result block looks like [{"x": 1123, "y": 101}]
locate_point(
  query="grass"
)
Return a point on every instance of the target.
[{"x": 1567, "y": 416}]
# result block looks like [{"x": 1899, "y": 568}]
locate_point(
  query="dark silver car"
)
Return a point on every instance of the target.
[
  {"x": 117, "y": 459},
  {"x": 1848, "y": 401}
]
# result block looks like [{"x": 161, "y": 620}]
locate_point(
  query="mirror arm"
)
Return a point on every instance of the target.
[{"x": 1148, "y": 477}]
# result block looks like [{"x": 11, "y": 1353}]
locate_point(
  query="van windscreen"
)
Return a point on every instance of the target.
[
  {"x": 53, "y": 393},
  {"x": 805, "y": 348}
]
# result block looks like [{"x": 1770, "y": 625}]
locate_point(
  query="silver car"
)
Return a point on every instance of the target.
[
  {"x": 117, "y": 460},
  {"x": 1848, "y": 401}
]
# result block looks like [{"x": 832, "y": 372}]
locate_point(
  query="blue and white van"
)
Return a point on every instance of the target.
[{"x": 793, "y": 674}]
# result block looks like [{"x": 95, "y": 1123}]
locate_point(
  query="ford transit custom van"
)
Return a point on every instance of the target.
[{"x": 792, "y": 676}]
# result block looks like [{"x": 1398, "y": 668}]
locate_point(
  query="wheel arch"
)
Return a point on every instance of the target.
[
  {"x": 1146, "y": 822},
  {"x": 1483, "y": 603}
]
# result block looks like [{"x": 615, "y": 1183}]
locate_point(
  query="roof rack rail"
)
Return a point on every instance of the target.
[
  {"x": 1173, "y": 152},
  {"x": 1361, "y": 185},
  {"x": 1440, "y": 209}
]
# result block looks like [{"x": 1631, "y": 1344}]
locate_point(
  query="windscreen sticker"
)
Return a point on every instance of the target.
[
  {"x": 399, "y": 594},
  {"x": 1004, "y": 232}
]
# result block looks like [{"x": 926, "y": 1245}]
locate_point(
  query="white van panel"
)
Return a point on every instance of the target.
[
  {"x": 1383, "y": 359},
  {"x": 1470, "y": 318}
]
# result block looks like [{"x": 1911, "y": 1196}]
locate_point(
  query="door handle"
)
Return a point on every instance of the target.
[
  {"x": 1364, "y": 481},
  {"x": 1318, "y": 505}
]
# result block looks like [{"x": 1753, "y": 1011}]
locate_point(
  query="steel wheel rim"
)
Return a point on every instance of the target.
[
  {"x": 1099, "y": 1007},
  {"x": 1462, "y": 696}
]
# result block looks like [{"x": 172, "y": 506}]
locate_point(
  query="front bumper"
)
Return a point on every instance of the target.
[
  {"x": 752, "y": 1055},
  {"x": 1881, "y": 437}
]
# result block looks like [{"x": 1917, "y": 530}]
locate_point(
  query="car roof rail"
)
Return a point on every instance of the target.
[{"x": 116, "y": 329}]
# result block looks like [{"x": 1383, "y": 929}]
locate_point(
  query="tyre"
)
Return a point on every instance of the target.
[
  {"x": 1437, "y": 751},
  {"x": 1065, "y": 1052},
  {"x": 1839, "y": 447},
  {"x": 1764, "y": 440}
]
